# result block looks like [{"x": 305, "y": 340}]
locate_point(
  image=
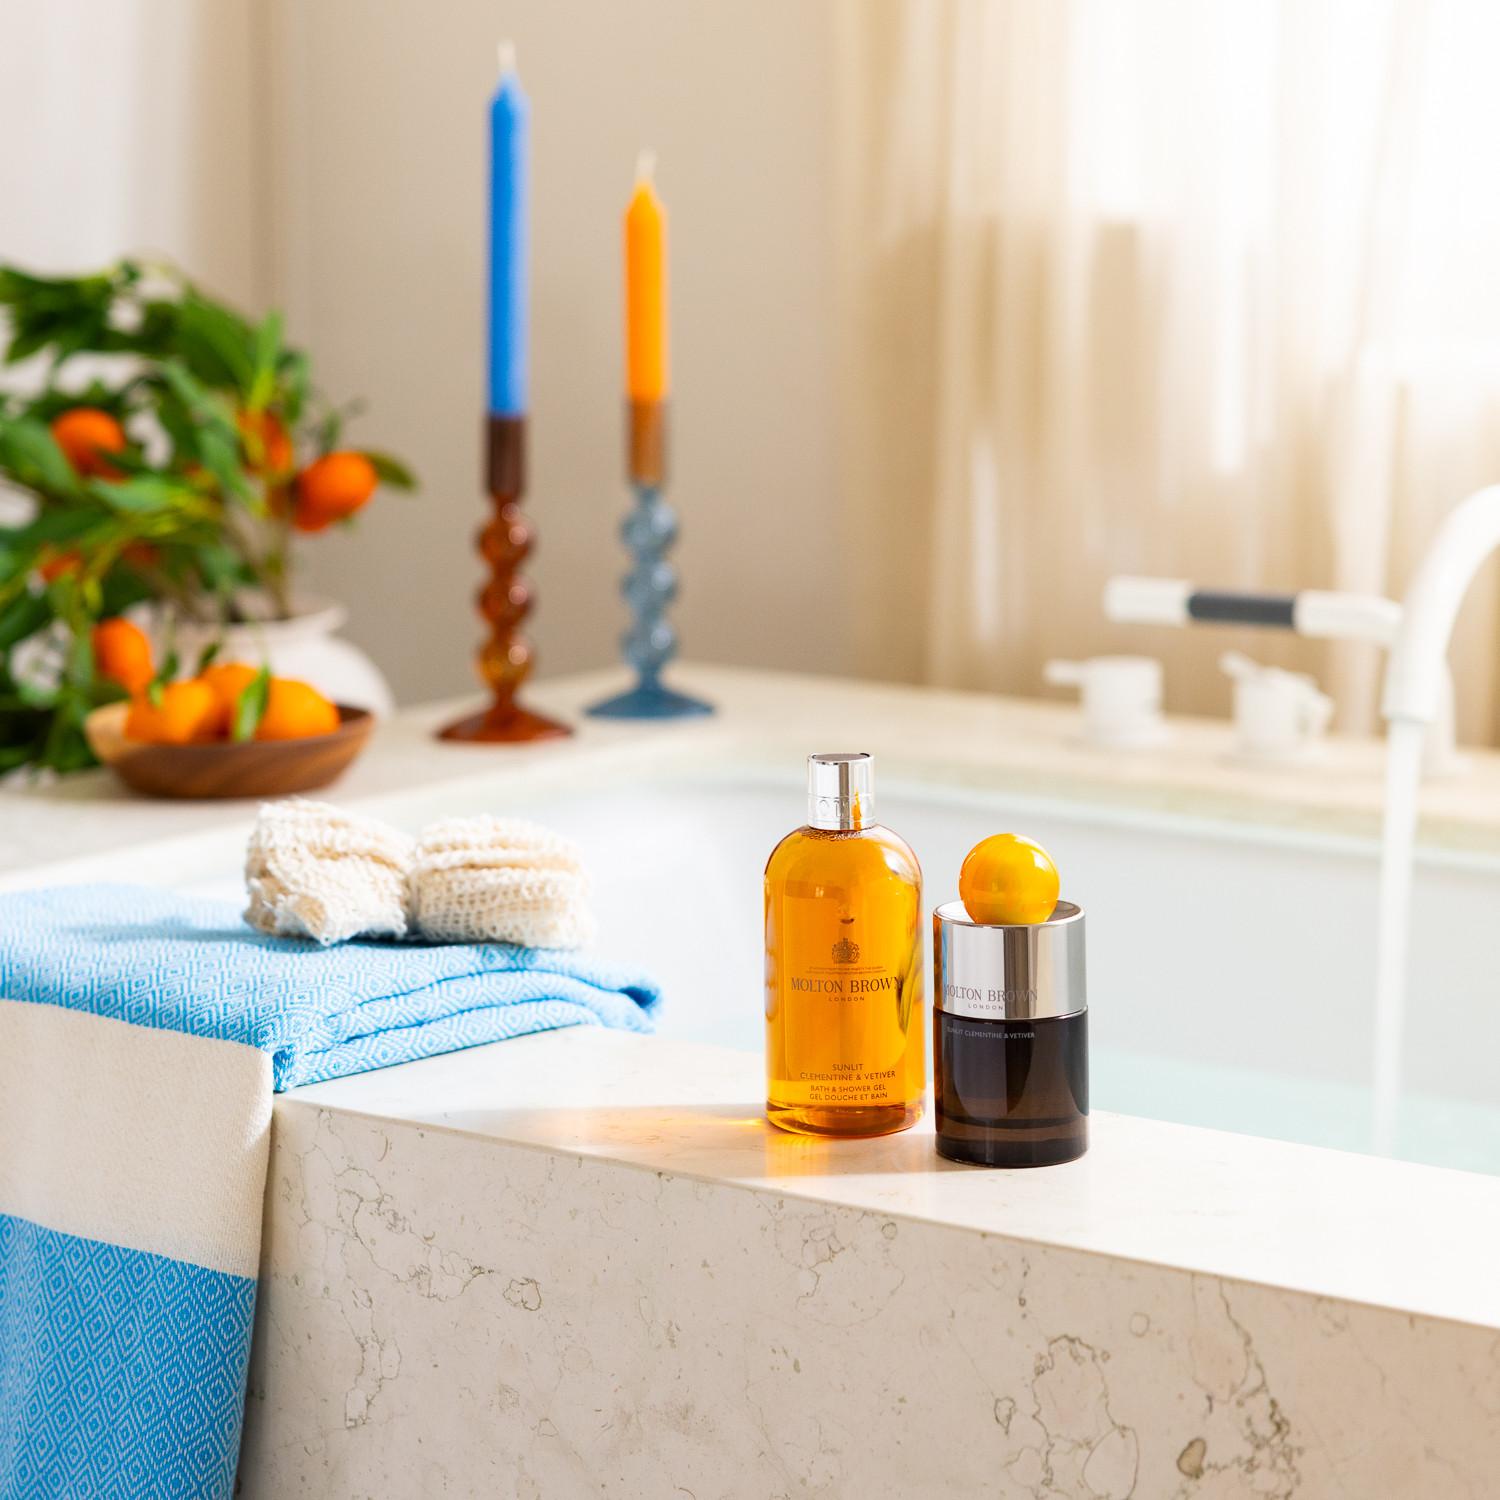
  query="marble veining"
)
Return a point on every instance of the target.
[{"x": 444, "y": 1314}]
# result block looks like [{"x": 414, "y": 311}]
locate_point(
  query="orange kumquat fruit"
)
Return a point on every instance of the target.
[
  {"x": 227, "y": 681},
  {"x": 122, "y": 654},
  {"x": 332, "y": 488},
  {"x": 186, "y": 713},
  {"x": 87, "y": 436},
  {"x": 294, "y": 711}
]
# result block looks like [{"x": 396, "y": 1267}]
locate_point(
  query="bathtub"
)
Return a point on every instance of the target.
[
  {"x": 1230, "y": 963},
  {"x": 581, "y": 1263},
  {"x": 1231, "y": 912}
]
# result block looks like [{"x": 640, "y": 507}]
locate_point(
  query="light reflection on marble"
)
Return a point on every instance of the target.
[{"x": 1200, "y": 1200}]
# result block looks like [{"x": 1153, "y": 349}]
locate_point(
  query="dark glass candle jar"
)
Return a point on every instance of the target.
[{"x": 1010, "y": 1039}]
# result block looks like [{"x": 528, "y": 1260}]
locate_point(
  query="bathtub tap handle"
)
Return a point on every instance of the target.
[
  {"x": 1121, "y": 698},
  {"x": 1417, "y": 682},
  {"x": 1278, "y": 715}
]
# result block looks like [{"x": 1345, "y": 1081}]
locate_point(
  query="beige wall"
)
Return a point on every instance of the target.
[
  {"x": 380, "y": 166},
  {"x": 331, "y": 157}
]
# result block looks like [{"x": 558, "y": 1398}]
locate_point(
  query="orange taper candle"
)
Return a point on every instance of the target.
[{"x": 645, "y": 289}]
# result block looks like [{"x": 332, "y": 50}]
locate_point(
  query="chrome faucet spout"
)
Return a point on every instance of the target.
[{"x": 1415, "y": 674}]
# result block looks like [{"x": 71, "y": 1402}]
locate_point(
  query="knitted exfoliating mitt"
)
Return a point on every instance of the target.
[
  {"x": 316, "y": 871},
  {"x": 499, "y": 880}
]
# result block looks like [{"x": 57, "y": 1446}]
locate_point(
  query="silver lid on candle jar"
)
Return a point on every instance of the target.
[
  {"x": 841, "y": 790},
  {"x": 1026, "y": 972}
]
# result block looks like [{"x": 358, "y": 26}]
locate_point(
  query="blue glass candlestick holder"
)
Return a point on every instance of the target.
[{"x": 650, "y": 586}]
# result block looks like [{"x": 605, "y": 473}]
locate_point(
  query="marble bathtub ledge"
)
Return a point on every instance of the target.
[
  {"x": 1325, "y": 1225},
  {"x": 577, "y": 1264}
]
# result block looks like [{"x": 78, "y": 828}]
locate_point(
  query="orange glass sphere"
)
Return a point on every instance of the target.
[{"x": 1008, "y": 880}]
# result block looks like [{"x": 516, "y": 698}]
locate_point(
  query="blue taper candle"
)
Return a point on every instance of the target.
[
  {"x": 505, "y": 600},
  {"x": 509, "y": 147}
]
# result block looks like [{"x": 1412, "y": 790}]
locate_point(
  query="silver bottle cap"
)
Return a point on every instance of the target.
[
  {"x": 841, "y": 790},
  {"x": 1027, "y": 972}
]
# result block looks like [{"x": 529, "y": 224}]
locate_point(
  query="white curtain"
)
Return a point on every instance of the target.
[
  {"x": 131, "y": 128},
  {"x": 1201, "y": 288}
]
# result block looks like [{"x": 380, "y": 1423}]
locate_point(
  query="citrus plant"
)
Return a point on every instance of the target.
[{"x": 166, "y": 448}]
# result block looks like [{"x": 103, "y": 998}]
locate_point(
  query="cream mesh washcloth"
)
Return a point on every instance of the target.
[
  {"x": 316, "y": 871},
  {"x": 499, "y": 880}
]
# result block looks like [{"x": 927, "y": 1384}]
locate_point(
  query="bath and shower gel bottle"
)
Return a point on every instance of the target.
[{"x": 845, "y": 975}]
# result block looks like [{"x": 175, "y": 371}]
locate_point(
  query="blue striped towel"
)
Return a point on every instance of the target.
[{"x": 141, "y": 1037}]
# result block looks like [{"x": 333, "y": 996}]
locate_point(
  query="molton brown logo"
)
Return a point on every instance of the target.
[{"x": 845, "y": 952}]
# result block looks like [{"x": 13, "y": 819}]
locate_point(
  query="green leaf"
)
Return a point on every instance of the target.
[
  {"x": 207, "y": 656},
  {"x": 30, "y": 455},
  {"x": 329, "y": 431},
  {"x": 267, "y": 353},
  {"x": 131, "y": 461},
  {"x": 62, "y": 525},
  {"x": 22, "y": 617},
  {"x": 215, "y": 344},
  {"x": 16, "y": 284},
  {"x": 391, "y": 470},
  {"x": 80, "y": 668},
  {"x": 122, "y": 587},
  {"x": 220, "y": 453},
  {"x": 201, "y": 401},
  {"x": 34, "y": 696},
  {"x": 13, "y": 757},
  {"x": 251, "y": 707},
  {"x": 209, "y": 432},
  {"x": 115, "y": 399},
  {"x": 155, "y": 335},
  {"x": 294, "y": 377},
  {"x": 31, "y": 340},
  {"x": 144, "y": 493},
  {"x": 222, "y": 567},
  {"x": 61, "y": 314}
]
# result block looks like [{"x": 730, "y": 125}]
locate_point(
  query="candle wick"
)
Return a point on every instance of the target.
[
  {"x": 645, "y": 167},
  {"x": 507, "y": 52}
]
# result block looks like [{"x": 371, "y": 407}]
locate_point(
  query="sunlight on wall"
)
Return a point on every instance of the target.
[{"x": 383, "y": 173}]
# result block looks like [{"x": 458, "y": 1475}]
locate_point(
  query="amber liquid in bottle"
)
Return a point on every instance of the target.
[{"x": 845, "y": 979}]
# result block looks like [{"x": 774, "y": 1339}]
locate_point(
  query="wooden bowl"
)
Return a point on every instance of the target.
[{"x": 255, "y": 768}]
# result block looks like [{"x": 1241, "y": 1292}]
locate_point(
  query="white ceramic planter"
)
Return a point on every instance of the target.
[{"x": 306, "y": 647}]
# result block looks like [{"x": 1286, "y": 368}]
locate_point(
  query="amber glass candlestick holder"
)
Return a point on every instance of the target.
[
  {"x": 651, "y": 584},
  {"x": 505, "y": 659}
]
